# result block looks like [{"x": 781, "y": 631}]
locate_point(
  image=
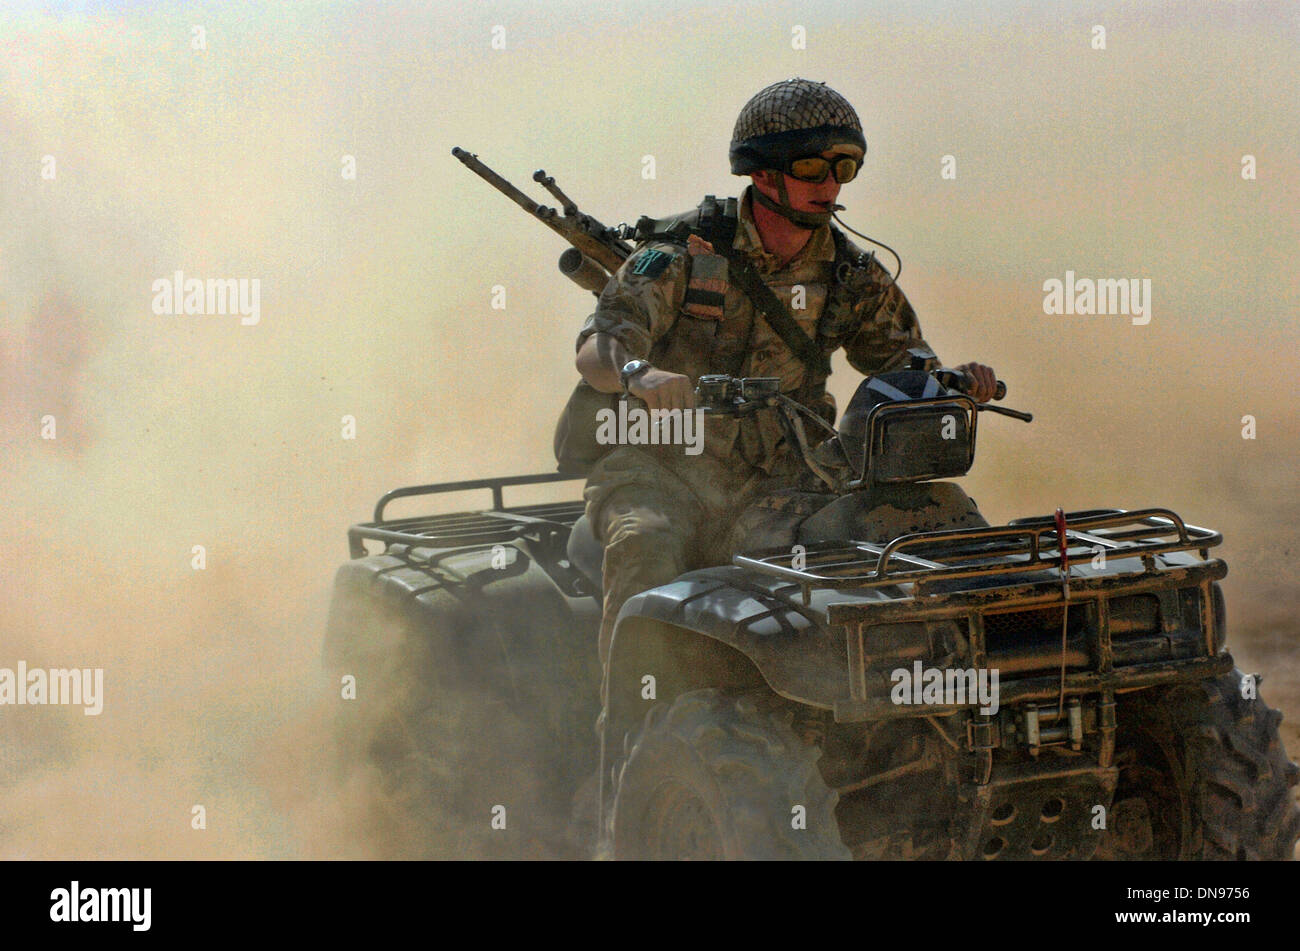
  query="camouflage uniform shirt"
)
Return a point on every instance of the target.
[{"x": 647, "y": 308}]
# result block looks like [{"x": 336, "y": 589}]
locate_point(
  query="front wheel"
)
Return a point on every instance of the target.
[
  {"x": 1203, "y": 775},
  {"x": 715, "y": 776}
]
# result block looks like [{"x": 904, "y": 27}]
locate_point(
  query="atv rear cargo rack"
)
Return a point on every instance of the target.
[
  {"x": 484, "y": 527},
  {"x": 1024, "y": 545}
]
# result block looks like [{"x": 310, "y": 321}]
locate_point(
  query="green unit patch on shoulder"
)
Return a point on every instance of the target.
[{"x": 652, "y": 262}]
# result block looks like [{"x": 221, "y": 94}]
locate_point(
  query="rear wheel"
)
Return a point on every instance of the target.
[
  {"x": 439, "y": 762},
  {"x": 715, "y": 776}
]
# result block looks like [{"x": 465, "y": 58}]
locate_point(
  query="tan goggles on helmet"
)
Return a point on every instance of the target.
[{"x": 815, "y": 168}]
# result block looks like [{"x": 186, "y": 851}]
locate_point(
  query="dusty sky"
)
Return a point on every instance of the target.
[{"x": 175, "y": 431}]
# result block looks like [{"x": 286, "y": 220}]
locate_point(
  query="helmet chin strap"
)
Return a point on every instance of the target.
[{"x": 808, "y": 220}]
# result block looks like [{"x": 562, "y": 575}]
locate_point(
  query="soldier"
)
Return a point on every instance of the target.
[{"x": 760, "y": 286}]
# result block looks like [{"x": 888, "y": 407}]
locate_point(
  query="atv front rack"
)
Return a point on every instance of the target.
[
  {"x": 1023, "y": 545},
  {"x": 484, "y": 527}
]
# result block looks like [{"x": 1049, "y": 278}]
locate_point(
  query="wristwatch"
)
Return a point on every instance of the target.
[{"x": 630, "y": 369}]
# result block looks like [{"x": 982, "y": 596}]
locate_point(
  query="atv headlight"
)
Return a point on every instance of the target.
[
  {"x": 1136, "y": 615},
  {"x": 1191, "y": 604}
]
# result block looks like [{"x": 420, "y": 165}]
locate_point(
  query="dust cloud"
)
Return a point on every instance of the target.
[{"x": 227, "y": 162}]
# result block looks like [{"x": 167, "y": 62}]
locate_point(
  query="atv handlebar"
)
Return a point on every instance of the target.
[{"x": 740, "y": 396}]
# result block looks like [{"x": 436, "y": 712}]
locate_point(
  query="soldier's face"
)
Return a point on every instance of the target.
[{"x": 804, "y": 196}]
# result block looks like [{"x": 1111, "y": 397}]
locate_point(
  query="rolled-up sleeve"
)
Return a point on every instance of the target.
[{"x": 641, "y": 301}]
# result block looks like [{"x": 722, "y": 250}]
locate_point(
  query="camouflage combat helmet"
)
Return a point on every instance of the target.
[{"x": 788, "y": 120}]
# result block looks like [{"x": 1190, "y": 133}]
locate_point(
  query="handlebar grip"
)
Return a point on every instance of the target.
[{"x": 960, "y": 380}]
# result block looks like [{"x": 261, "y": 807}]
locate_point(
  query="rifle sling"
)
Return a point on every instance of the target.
[
  {"x": 721, "y": 228},
  {"x": 778, "y": 318}
]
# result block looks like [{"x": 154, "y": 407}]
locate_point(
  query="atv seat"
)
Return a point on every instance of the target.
[{"x": 585, "y": 551}]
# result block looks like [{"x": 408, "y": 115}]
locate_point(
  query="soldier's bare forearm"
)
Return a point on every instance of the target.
[{"x": 600, "y": 359}]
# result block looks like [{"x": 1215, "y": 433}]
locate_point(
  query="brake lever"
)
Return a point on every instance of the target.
[
  {"x": 1004, "y": 411},
  {"x": 957, "y": 376}
]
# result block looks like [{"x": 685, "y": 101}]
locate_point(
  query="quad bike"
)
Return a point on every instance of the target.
[{"x": 754, "y": 710}]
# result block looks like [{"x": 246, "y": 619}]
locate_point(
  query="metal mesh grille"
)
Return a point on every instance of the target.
[
  {"x": 1023, "y": 628},
  {"x": 794, "y": 104}
]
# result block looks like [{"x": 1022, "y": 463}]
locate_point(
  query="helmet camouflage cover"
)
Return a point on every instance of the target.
[{"x": 790, "y": 119}]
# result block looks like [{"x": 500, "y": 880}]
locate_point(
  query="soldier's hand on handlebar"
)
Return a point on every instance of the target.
[
  {"x": 663, "y": 390},
  {"x": 983, "y": 381}
]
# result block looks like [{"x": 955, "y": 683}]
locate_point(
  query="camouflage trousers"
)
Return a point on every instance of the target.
[{"x": 660, "y": 516}]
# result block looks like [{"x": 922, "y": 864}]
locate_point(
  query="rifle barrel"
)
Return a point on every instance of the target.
[
  {"x": 582, "y": 231},
  {"x": 470, "y": 161}
]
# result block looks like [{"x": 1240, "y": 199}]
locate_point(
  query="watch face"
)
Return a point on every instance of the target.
[{"x": 631, "y": 369}]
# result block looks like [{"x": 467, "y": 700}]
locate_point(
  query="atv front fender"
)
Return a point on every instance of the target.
[{"x": 722, "y": 628}]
